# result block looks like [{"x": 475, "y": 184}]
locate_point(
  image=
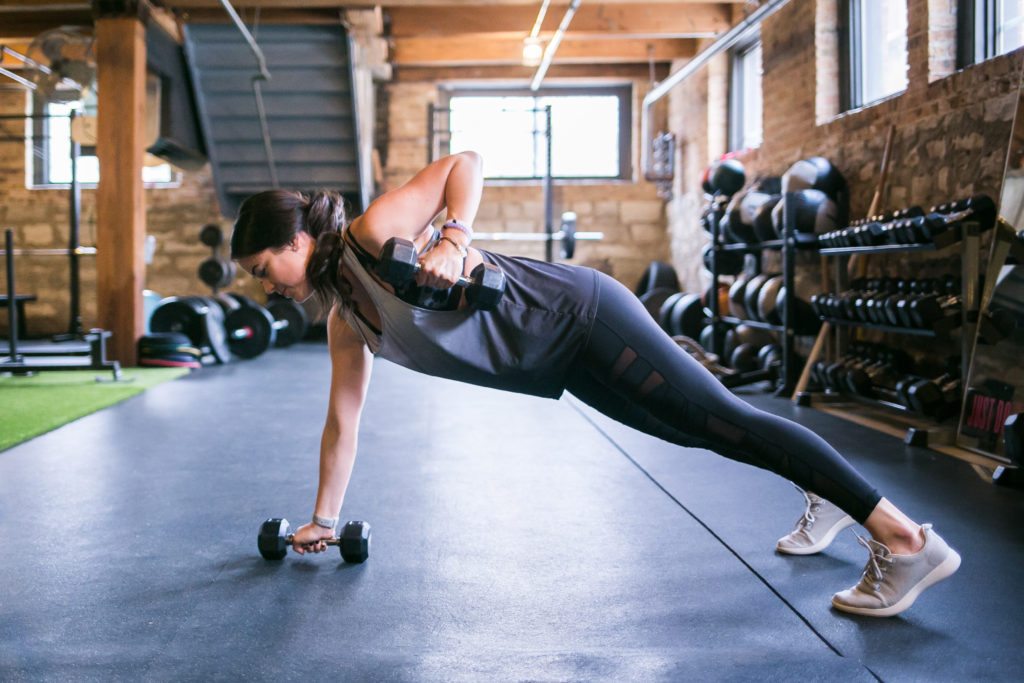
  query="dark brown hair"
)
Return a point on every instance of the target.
[{"x": 272, "y": 219}]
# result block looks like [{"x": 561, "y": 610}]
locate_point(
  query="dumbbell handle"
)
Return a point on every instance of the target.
[
  {"x": 246, "y": 332},
  {"x": 290, "y": 538},
  {"x": 463, "y": 279}
]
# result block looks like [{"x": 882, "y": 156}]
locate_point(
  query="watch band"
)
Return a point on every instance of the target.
[
  {"x": 456, "y": 224},
  {"x": 325, "y": 522}
]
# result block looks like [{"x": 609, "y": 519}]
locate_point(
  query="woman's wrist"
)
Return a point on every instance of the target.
[{"x": 463, "y": 251}]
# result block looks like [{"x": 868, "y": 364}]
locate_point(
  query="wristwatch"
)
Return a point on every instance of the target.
[{"x": 325, "y": 522}]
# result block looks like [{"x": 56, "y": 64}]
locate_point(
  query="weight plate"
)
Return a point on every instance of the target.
[
  {"x": 215, "y": 335},
  {"x": 249, "y": 331},
  {"x": 286, "y": 309},
  {"x": 181, "y": 315}
]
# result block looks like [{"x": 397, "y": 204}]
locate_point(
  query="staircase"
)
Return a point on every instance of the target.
[{"x": 309, "y": 104}]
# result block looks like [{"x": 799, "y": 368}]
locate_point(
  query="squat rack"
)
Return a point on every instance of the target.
[{"x": 74, "y": 250}]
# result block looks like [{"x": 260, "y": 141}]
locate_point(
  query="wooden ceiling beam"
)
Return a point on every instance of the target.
[
  {"x": 688, "y": 21},
  {"x": 458, "y": 51},
  {"x": 27, "y": 24},
  {"x": 369, "y": 4}
]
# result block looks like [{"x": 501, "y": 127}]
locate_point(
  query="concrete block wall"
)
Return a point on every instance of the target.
[{"x": 629, "y": 213}]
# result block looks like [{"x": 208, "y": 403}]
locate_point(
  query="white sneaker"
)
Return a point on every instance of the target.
[
  {"x": 816, "y": 529},
  {"x": 891, "y": 583}
]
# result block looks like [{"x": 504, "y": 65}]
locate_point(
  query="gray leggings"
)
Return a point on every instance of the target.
[{"x": 633, "y": 372}]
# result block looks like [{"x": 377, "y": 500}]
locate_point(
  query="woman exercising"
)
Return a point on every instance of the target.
[{"x": 558, "y": 327}]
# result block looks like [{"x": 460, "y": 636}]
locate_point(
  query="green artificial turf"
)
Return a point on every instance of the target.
[{"x": 30, "y": 406}]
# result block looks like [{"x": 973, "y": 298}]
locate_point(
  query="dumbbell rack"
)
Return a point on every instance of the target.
[
  {"x": 787, "y": 330},
  {"x": 890, "y": 417}
]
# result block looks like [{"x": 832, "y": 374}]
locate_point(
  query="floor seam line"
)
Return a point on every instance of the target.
[{"x": 714, "y": 535}]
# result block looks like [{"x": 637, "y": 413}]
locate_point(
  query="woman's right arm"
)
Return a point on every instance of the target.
[{"x": 351, "y": 362}]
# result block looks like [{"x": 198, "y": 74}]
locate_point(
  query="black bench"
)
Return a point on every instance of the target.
[{"x": 20, "y": 300}]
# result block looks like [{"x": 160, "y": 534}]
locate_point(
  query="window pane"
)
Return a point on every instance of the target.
[
  {"x": 751, "y": 100},
  {"x": 509, "y": 131},
  {"x": 1010, "y": 25},
  {"x": 883, "y": 48},
  {"x": 58, "y": 151}
]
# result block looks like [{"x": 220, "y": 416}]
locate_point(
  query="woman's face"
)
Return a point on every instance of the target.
[{"x": 283, "y": 270}]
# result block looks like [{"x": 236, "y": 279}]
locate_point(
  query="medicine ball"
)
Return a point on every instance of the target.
[
  {"x": 764, "y": 228},
  {"x": 805, "y": 320},
  {"x": 737, "y": 305},
  {"x": 657, "y": 274},
  {"x": 686, "y": 316},
  {"x": 751, "y": 293},
  {"x": 653, "y": 299},
  {"x": 727, "y": 177},
  {"x": 729, "y": 262},
  {"x": 666, "y": 309},
  {"x": 723, "y": 298},
  {"x": 814, "y": 173},
  {"x": 766, "y": 300},
  {"x": 814, "y": 213},
  {"x": 744, "y": 358},
  {"x": 749, "y": 207}
]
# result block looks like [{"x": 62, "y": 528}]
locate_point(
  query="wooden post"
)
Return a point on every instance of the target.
[{"x": 120, "y": 202}]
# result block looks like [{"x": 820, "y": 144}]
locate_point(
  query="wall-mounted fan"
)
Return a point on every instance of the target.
[{"x": 62, "y": 64}]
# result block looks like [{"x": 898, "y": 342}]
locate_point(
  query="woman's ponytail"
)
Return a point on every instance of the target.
[{"x": 324, "y": 221}]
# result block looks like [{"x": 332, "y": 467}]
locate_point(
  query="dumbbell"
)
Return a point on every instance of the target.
[
  {"x": 918, "y": 289},
  {"x": 251, "y": 329},
  {"x": 936, "y": 398},
  {"x": 927, "y": 310},
  {"x": 878, "y": 379},
  {"x": 399, "y": 263},
  {"x": 353, "y": 542},
  {"x": 215, "y": 272}
]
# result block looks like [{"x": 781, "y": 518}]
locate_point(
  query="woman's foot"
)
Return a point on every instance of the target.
[
  {"x": 820, "y": 524},
  {"x": 891, "y": 582}
]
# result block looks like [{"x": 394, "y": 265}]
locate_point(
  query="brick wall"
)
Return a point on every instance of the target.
[
  {"x": 951, "y": 128},
  {"x": 629, "y": 214},
  {"x": 40, "y": 219}
]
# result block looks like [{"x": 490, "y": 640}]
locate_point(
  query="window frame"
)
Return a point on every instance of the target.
[
  {"x": 977, "y": 31},
  {"x": 39, "y": 153},
  {"x": 623, "y": 91},
  {"x": 851, "y": 72},
  {"x": 736, "y": 88}
]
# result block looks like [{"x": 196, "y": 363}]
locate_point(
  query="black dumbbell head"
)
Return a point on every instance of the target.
[
  {"x": 355, "y": 542},
  {"x": 398, "y": 261},
  {"x": 488, "y": 287},
  {"x": 272, "y": 540}
]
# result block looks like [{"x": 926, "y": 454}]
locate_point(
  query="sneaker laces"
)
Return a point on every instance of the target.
[
  {"x": 807, "y": 520},
  {"x": 879, "y": 560}
]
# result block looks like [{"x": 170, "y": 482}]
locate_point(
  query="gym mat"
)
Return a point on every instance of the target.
[
  {"x": 511, "y": 542},
  {"x": 47, "y": 400},
  {"x": 962, "y": 629}
]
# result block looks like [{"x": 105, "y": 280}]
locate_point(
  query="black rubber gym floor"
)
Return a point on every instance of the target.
[{"x": 514, "y": 539}]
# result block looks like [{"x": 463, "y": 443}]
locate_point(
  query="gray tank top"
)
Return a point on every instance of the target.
[{"x": 524, "y": 345}]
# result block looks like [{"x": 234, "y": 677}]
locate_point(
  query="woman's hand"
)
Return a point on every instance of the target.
[
  {"x": 310, "y": 538},
  {"x": 441, "y": 266}
]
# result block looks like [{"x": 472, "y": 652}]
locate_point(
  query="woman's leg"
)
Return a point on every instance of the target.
[{"x": 633, "y": 372}]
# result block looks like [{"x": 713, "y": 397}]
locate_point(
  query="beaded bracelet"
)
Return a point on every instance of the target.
[{"x": 458, "y": 225}]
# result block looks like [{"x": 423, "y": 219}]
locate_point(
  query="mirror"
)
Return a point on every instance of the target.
[{"x": 994, "y": 389}]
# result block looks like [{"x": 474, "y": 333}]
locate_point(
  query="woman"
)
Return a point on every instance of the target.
[{"x": 558, "y": 327}]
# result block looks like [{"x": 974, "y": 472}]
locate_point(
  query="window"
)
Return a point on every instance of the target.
[
  {"x": 875, "y": 46},
  {"x": 590, "y": 131},
  {"x": 988, "y": 28},
  {"x": 746, "y": 129},
  {"x": 51, "y": 147}
]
